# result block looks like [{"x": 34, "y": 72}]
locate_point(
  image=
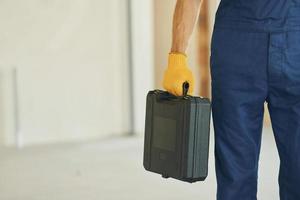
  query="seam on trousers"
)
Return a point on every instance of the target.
[{"x": 268, "y": 61}]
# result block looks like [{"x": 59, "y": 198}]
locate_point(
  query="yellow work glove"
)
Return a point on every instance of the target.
[{"x": 177, "y": 73}]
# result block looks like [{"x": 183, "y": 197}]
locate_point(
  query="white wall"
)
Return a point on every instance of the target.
[
  {"x": 71, "y": 70},
  {"x": 142, "y": 58},
  {"x": 7, "y": 105}
]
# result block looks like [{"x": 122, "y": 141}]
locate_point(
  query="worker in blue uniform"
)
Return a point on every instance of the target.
[{"x": 255, "y": 59}]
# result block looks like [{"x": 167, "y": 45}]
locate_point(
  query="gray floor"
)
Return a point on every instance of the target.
[{"x": 109, "y": 170}]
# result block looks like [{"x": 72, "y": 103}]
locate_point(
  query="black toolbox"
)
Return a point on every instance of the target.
[{"x": 177, "y": 136}]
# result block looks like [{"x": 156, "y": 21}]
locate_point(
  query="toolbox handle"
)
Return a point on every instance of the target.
[{"x": 185, "y": 88}]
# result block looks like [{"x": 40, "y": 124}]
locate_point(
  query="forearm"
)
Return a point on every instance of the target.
[{"x": 184, "y": 20}]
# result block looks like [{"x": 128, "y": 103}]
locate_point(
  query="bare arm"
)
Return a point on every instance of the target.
[{"x": 184, "y": 20}]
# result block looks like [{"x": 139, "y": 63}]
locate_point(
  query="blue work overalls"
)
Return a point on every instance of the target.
[{"x": 255, "y": 59}]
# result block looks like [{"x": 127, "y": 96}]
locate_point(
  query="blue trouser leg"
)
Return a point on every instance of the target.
[
  {"x": 284, "y": 105},
  {"x": 239, "y": 89},
  {"x": 248, "y": 69}
]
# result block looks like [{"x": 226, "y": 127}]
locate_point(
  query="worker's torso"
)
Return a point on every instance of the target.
[{"x": 261, "y": 15}]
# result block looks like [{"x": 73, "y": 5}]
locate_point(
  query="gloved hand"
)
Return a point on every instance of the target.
[{"x": 177, "y": 73}]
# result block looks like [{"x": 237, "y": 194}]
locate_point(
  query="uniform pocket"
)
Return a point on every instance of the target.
[
  {"x": 291, "y": 62},
  {"x": 237, "y": 57}
]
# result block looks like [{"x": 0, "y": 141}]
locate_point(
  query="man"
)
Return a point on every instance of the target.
[{"x": 255, "y": 59}]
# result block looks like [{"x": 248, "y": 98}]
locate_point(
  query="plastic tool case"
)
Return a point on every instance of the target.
[{"x": 177, "y": 136}]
